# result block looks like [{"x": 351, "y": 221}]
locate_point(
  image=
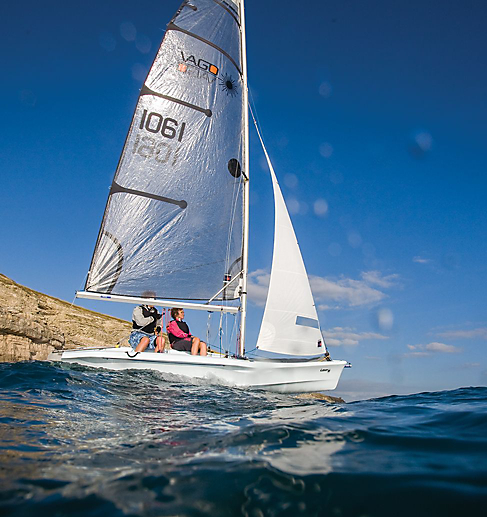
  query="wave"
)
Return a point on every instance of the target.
[{"x": 77, "y": 440}]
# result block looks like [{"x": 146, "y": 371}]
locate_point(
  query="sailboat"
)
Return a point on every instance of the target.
[{"x": 176, "y": 223}]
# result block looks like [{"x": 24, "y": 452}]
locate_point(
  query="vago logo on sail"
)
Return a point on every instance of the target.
[
  {"x": 202, "y": 69},
  {"x": 202, "y": 64}
]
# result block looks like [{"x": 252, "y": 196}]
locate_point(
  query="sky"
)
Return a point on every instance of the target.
[{"x": 374, "y": 115}]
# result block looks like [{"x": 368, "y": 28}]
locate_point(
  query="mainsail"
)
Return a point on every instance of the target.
[
  {"x": 290, "y": 324},
  {"x": 173, "y": 220}
]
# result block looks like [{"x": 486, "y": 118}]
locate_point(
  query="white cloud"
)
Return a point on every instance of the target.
[
  {"x": 465, "y": 334},
  {"x": 325, "y": 307},
  {"x": 418, "y": 354},
  {"x": 339, "y": 336},
  {"x": 345, "y": 291},
  {"x": 435, "y": 346},
  {"x": 376, "y": 278},
  {"x": 331, "y": 294},
  {"x": 441, "y": 347},
  {"x": 421, "y": 260},
  {"x": 258, "y": 285}
]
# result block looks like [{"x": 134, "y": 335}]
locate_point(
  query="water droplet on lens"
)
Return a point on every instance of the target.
[{"x": 385, "y": 319}]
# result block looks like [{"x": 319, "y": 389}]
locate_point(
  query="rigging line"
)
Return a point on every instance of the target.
[
  {"x": 224, "y": 287},
  {"x": 220, "y": 331},
  {"x": 232, "y": 219},
  {"x": 116, "y": 188},
  {"x": 255, "y": 118},
  {"x": 269, "y": 163},
  {"x": 254, "y": 115},
  {"x": 236, "y": 192},
  {"x": 228, "y": 267},
  {"x": 145, "y": 90},
  {"x": 229, "y": 242},
  {"x": 172, "y": 26},
  {"x": 230, "y": 339},
  {"x": 252, "y": 102},
  {"x": 81, "y": 286},
  {"x": 208, "y": 329}
]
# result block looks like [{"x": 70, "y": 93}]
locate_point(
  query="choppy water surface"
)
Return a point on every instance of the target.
[{"x": 78, "y": 441}]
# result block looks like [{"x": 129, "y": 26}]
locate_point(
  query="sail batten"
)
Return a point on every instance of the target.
[{"x": 147, "y": 91}]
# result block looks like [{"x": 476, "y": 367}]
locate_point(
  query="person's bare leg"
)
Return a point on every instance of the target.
[
  {"x": 203, "y": 348},
  {"x": 160, "y": 342},
  {"x": 143, "y": 344},
  {"x": 195, "y": 346}
]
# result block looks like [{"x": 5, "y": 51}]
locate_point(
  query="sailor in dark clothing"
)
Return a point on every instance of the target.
[
  {"x": 146, "y": 322},
  {"x": 180, "y": 337}
]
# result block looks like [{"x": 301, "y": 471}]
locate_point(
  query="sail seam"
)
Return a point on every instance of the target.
[
  {"x": 172, "y": 26},
  {"x": 147, "y": 91}
]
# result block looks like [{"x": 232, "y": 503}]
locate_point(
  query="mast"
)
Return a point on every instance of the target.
[{"x": 245, "y": 251}]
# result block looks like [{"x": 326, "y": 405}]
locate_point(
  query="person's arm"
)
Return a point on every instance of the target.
[{"x": 173, "y": 329}]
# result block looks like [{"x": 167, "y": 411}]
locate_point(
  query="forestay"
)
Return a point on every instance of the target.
[
  {"x": 290, "y": 324},
  {"x": 173, "y": 220}
]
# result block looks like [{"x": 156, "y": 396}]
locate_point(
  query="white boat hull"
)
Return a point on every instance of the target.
[{"x": 270, "y": 375}]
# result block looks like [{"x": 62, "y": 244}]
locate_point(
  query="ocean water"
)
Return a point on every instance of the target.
[{"x": 78, "y": 441}]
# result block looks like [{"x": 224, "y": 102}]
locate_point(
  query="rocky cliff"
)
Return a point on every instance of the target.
[{"x": 33, "y": 324}]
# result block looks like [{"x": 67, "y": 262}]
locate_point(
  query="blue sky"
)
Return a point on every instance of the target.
[{"x": 374, "y": 115}]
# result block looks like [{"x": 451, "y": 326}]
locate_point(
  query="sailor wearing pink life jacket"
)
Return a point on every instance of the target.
[{"x": 180, "y": 337}]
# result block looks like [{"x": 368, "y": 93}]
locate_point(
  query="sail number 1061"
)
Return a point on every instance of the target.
[{"x": 156, "y": 123}]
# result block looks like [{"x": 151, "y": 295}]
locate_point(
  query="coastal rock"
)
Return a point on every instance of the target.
[
  {"x": 33, "y": 324},
  {"x": 321, "y": 396}
]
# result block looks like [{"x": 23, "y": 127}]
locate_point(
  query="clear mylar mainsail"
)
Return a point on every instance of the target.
[{"x": 173, "y": 220}]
